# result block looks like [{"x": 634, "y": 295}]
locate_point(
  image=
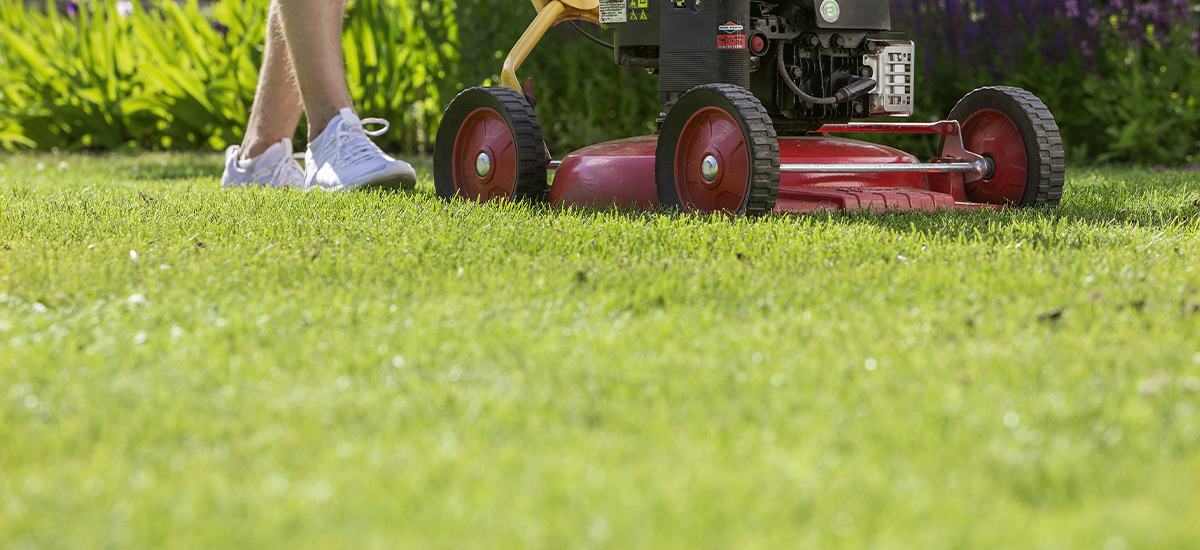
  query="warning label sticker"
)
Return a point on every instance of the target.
[
  {"x": 612, "y": 11},
  {"x": 637, "y": 10},
  {"x": 732, "y": 36}
]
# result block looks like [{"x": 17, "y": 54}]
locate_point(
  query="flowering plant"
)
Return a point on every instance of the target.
[
  {"x": 995, "y": 34},
  {"x": 1122, "y": 77}
]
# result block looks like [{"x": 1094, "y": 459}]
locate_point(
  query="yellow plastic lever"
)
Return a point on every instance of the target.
[{"x": 550, "y": 13}]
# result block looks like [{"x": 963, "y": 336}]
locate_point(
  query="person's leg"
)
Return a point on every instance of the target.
[
  {"x": 314, "y": 38},
  {"x": 277, "y": 105},
  {"x": 340, "y": 154}
]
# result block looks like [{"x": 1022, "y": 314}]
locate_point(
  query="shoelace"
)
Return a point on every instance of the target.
[
  {"x": 281, "y": 169},
  {"x": 361, "y": 148}
]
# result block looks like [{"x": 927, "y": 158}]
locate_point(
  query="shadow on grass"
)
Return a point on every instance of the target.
[
  {"x": 977, "y": 224},
  {"x": 137, "y": 166},
  {"x": 1095, "y": 197},
  {"x": 178, "y": 166},
  {"x": 169, "y": 166},
  {"x": 1111, "y": 198}
]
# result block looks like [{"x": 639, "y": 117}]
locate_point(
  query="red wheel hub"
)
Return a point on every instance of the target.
[
  {"x": 712, "y": 135},
  {"x": 992, "y": 134},
  {"x": 485, "y": 157}
]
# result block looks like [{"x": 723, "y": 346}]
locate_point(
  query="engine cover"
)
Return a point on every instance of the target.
[{"x": 824, "y": 45}]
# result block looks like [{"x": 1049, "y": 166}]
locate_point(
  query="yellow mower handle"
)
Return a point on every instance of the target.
[{"x": 550, "y": 13}]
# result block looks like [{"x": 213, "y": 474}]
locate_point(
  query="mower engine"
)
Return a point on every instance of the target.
[{"x": 809, "y": 62}]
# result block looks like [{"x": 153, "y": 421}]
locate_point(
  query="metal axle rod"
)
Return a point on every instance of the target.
[
  {"x": 941, "y": 127},
  {"x": 870, "y": 168},
  {"x": 898, "y": 168}
]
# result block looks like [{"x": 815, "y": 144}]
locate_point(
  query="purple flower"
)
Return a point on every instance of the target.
[
  {"x": 220, "y": 28},
  {"x": 72, "y": 8},
  {"x": 124, "y": 8},
  {"x": 993, "y": 35}
]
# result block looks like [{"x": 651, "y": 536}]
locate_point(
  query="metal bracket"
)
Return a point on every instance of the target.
[{"x": 953, "y": 151}]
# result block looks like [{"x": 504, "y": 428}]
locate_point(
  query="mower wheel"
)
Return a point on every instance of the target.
[
  {"x": 1016, "y": 131},
  {"x": 489, "y": 146},
  {"x": 718, "y": 152}
]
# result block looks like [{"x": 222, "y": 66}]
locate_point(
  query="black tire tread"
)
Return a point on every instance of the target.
[
  {"x": 527, "y": 133},
  {"x": 763, "y": 147}
]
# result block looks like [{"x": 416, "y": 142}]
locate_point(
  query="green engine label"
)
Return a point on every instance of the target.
[{"x": 830, "y": 11}]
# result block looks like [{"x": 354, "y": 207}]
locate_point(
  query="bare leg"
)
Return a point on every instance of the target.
[
  {"x": 314, "y": 38},
  {"x": 277, "y": 105}
]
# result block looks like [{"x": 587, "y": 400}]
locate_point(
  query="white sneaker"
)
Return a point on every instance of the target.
[
  {"x": 274, "y": 168},
  {"x": 344, "y": 158}
]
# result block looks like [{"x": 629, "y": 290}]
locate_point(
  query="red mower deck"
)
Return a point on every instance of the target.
[{"x": 621, "y": 173}]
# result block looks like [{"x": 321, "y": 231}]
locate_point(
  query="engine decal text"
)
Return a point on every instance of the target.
[
  {"x": 732, "y": 36},
  {"x": 612, "y": 11}
]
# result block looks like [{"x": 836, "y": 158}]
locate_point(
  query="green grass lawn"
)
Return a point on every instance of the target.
[{"x": 183, "y": 367}]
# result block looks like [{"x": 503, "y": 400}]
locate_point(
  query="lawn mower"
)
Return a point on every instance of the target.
[{"x": 751, "y": 92}]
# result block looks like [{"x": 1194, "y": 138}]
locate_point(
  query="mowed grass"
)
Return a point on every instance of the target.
[{"x": 183, "y": 366}]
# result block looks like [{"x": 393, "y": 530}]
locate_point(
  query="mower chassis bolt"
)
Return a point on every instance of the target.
[
  {"x": 709, "y": 168},
  {"x": 987, "y": 167},
  {"x": 483, "y": 164}
]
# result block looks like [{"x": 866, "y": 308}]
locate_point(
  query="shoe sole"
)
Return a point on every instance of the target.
[{"x": 389, "y": 183}]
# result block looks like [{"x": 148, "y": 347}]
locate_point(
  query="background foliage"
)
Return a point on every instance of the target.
[
  {"x": 1121, "y": 76},
  {"x": 166, "y": 79},
  {"x": 178, "y": 77}
]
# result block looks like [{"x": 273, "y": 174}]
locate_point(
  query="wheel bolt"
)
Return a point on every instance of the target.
[
  {"x": 709, "y": 168},
  {"x": 483, "y": 164}
]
